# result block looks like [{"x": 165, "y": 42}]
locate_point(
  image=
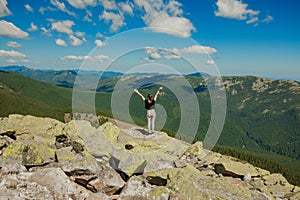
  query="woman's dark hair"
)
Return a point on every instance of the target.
[{"x": 150, "y": 97}]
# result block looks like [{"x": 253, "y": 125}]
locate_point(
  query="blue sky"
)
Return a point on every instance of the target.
[{"x": 237, "y": 37}]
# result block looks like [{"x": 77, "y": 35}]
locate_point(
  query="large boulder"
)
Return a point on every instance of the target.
[
  {"x": 278, "y": 185},
  {"x": 30, "y": 127},
  {"x": 191, "y": 184},
  {"x": 30, "y": 153}
]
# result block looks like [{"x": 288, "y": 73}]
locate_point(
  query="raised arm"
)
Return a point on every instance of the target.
[
  {"x": 156, "y": 94},
  {"x": 136, "y": 91}
]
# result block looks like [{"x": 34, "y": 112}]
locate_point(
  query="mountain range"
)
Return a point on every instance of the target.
[{"x": 262, "y": 114}]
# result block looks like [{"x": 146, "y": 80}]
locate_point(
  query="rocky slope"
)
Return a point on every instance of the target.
[{"x": 42, "y": 158}]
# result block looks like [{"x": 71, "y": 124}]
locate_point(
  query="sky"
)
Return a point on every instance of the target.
[{"x": 230, "y": 37}]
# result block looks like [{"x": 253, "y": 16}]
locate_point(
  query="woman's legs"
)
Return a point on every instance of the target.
[{"x": 151, "y": 115}]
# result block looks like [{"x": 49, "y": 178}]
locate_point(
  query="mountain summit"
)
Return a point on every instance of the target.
[{"x": 42, "y": 158}]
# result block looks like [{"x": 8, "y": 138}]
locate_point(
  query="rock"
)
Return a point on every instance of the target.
[
  {"x": 81, "y": 165},
  {"x": 43, "y": 129},
  {"x": 67, "y": 117},
  {"x": 277, "y": 185},
  {"x": 247, "y": 177},
  {"x": 195, "y": 149},
  {"x": 235, "y": 169},
  {"x": 161, "y": 193},
  {"x": 11, "y": 182},
  {"x": 3, "y": 143},
  {"x": 109, "y": 183},
  {"x": 135, "y": 187},
  {"x": 60, "y": 186},
  {"x": 158, "y": 165},
  {"x": 30, "y": 153},
  {"x": 191, "y": 184},
  {"x": 180, "y": 163}
]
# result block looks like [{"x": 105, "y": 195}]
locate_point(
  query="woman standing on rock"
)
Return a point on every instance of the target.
[{"x": 150, "y": 107}]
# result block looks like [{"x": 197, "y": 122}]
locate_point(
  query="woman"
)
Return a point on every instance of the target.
[{"x": 150, "y": 107}]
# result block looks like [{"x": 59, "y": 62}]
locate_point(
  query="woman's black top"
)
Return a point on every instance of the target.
[{"x": 148, "y": 105}]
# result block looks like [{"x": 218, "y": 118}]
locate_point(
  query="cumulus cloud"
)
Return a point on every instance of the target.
[
  {"x": 13, "y": 44},
  {"x": 4, "y": 11},
  {"x": 166, "y": 18},
  {"x": 126, "y": 7},
  {"x": 46, "y": 32},
  {"x": 234, "y": 9},
  {"x": 33, "y": 27},
  {"x": 63, "y": 26},
  {"x": 79, "y": 34},
  {"x": 268, "y": 19},
  {"x": 60, "y": 42},
  {"x": 61, "y": 6},
  {"x": 210, "y": 62},
  {"x": 196, "y": 49},
  {"x": 8, "y": 29},
  {"x": 81, "y": 58},
  {"x": 99, "y": 43},
  {"x": 28, "y": 8},
  {"x": 12, "y": 53},
  {"x": 76, "y": 41},
  {"x": 109, "y": 4},
  {"x": 116, "y": 19},
  {"x": 81, "y": 4},
  {"x": 252, "y": 21},
  {"x": 156, "y": 54}
]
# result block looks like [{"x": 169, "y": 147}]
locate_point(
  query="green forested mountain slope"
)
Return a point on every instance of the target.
[{"x": 262, "y": 115}]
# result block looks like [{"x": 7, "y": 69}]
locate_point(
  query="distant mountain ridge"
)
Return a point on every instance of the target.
[{"x": 262, "y": 114}]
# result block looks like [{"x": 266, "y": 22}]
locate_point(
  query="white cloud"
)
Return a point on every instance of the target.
[
  {"x": 12, "y": 53},
  {"x": 196, "y": 49},
  {"x": 33, "y": 27},
  {"x": 17, "y": 61},
  {"x": 268, "y": 19},
  {"x": 172, "y": 56},
  {"x": 177, "y": 26},
  {"x": 60, "y": 42},
  {"x": 156, "y": 54},
  {"x": 210, "y": 62},
  {"x": 28, "y": 8},
  {"x": 88, "y": 16},
  {"x": 43, "y": 9},
  {"x": 82, "y": 3},
  {"x": 46, "y": 32},
  {"x": 234, "y": 9},
  {"x": 61, "y": 6},
  {"x": 76, "y": 41},
  {"x": 166, "y": 18},
  {"x": 109, "y": 4},
  {"x": 116, "y": 19},
  {"x": 252, "y": 21},
  {"x": 99, "y": 43},
  {"x": 13, "y": 44},
  {"x": 99, "y": 35},
  {"x": 79, "y": 34},
  {"x": 126, "y": 7},
  {"x": 4, "y": 11},
  {"x": 8, "y": 29},
  {"x": 63, "y": 26},
  {"x": 81, "y": 58}
]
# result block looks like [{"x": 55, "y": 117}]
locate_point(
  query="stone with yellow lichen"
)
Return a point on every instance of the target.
[{"x": 30, "y": 153}]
